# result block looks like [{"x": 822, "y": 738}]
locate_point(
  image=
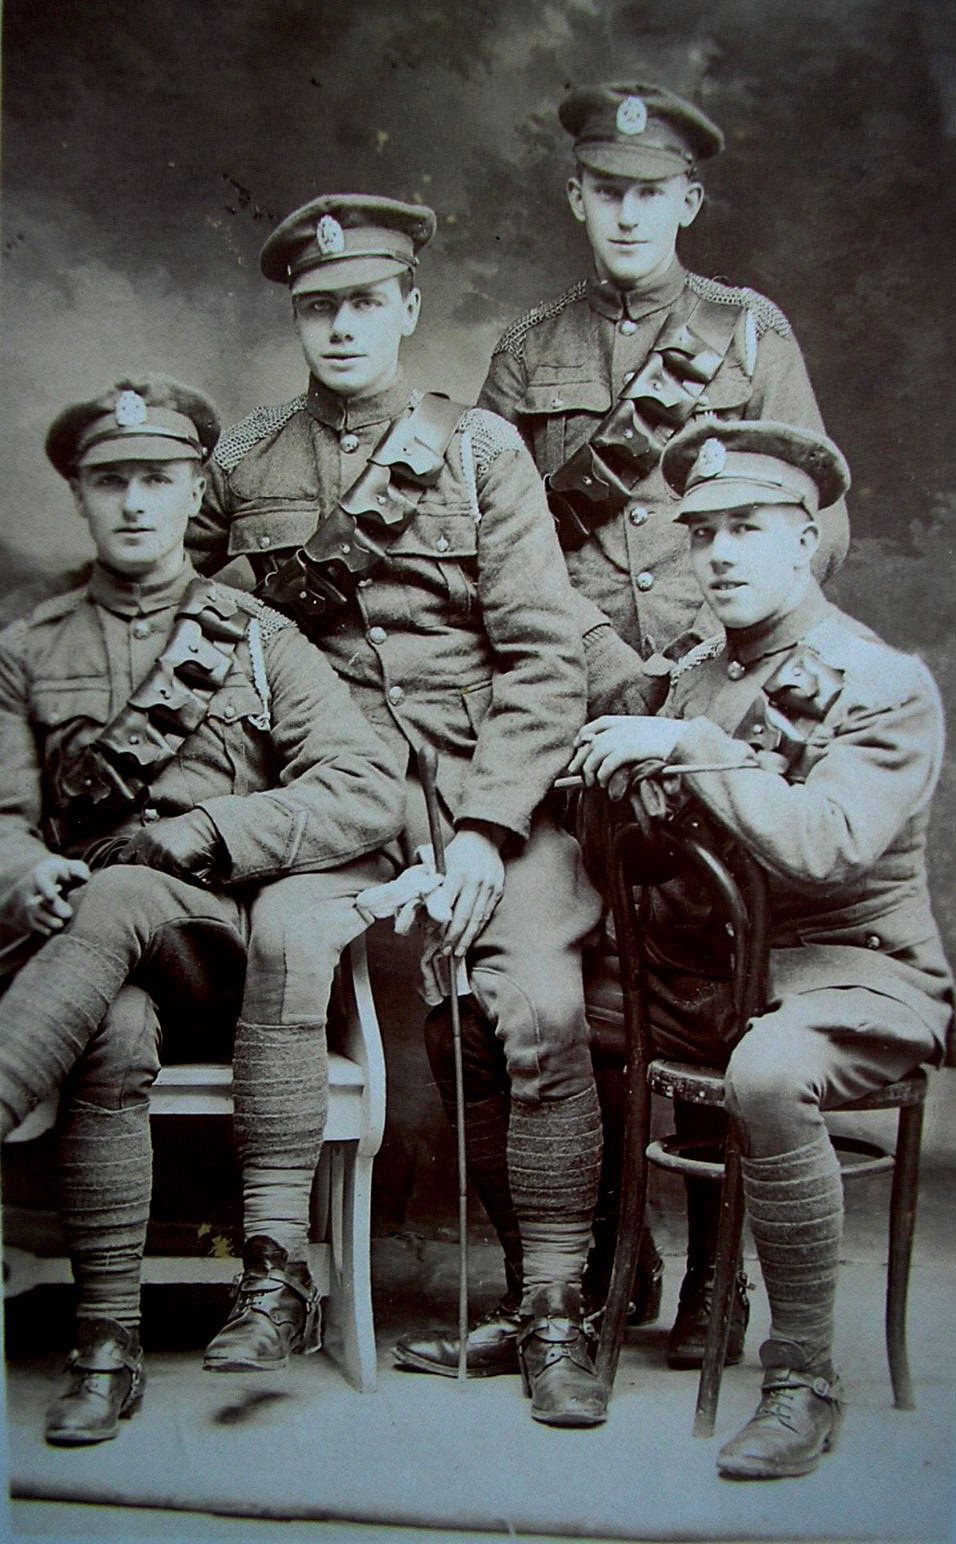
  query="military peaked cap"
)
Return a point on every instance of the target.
[
  {"x": 148, "y": 419},
  {"x": 341, "y": 239},
  {"x": 718, "y": 464},
  {"x": 637, "y": 130}
]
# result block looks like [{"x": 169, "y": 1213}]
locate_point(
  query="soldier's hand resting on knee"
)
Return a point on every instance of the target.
[
  {"x": 474, "y": 881},
  {"x": 187, "y": 846},
  {"x": 38, "y": 901}
]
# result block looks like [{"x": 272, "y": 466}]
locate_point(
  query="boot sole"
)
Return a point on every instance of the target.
[
  {"x": 236, "y": 1364},
  {"x": 567, "y": 1420},
  {"x": 409, "y": 1361}
]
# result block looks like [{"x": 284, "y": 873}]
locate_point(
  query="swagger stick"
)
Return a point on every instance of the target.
[{"x": 428, "y": 774}]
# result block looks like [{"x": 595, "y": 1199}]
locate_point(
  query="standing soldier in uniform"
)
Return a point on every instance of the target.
[
  {"x": 177, "y": 764},
  {"x": 820, "y": 748},
  {"x": 597, "y": 380},
  {"x": 413, "y": 541}
]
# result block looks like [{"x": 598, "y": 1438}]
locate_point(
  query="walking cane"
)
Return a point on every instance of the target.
[{"x": 428, "y": 774}]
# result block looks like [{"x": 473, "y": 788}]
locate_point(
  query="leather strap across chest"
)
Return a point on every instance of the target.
[
  {"x": 320, "y": 579},
  {"x": 113, "y": 772},
  {"x": 604, "y": 473}
]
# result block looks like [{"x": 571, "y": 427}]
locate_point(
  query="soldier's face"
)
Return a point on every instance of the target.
[
  {"x": 633, "y": 226},
  {"x": 752, "y": 564},
  {"x": 351, "y": 337},
  {"x": 137, "y": 512}
]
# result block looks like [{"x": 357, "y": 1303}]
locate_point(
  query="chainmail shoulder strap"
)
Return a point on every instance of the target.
[
  {"x": 247, "y": 433},
  {"x": 513, "y": 341},
  {"x": 767, "y": 317}
]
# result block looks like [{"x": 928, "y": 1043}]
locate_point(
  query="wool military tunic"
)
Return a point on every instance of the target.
[
  {"x": 285, "y": 766},
  {"x": 556, "y": 373},
  {"x": 842, "y": 831},
  {"x": 465, "y": 637}
]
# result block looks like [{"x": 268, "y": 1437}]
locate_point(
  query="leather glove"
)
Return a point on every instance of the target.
[{"x": 187, "y": 846}]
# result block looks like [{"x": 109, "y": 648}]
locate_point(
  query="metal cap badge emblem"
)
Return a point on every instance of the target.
[
  {"x": 130, "y": 410},
  {"x": 330, "y": 236},
  {"x": 712, "y": 459},
  {"x": 631, "y": 116}
]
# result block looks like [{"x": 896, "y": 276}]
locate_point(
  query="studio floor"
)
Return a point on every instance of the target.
[{"x": 301, "y": 1455}]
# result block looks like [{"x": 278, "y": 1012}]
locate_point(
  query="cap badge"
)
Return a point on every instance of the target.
[
  {"x": 130, "y": 410},
  {"x": 330, "y": 236},
  {"x": 712, "y": 459},
  {"x": 631, "y": 116}
]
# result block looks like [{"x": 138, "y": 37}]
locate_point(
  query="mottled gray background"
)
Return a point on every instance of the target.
[{"x": 148, "y": 149}]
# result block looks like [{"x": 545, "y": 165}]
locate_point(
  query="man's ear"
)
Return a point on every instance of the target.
[
  {"x": 575, "y": 198},
  {"x": 77, "y": 493},
  {"x": 413, "y": 307},
  {"x": 809, "y": 539},
  {"x": 199, "y": 488},
  {"x": 693, "y": 199}
]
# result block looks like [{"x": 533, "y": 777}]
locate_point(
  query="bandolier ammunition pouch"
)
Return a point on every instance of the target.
[
  {"x": 321, "y": 578},
  {"x": 111, "y": 776},
  {"x": 603, "y": 475}
]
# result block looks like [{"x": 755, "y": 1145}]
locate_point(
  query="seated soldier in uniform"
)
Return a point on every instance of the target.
[
  {"x": 818, "y": 748},
  {"x": 412, "y": 539},
  {"x": 176, "y": 763}
]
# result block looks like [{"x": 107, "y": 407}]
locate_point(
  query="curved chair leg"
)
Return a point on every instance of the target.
[
  {"x": 902, "y": 1225},
  {"x": 729, "y": 1238}
]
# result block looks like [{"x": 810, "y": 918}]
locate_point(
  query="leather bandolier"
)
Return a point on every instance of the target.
[
  {"x": 111, "y": 776},
  {"x": 320, "y": 579},
  {"x": 604, "y": 473}
]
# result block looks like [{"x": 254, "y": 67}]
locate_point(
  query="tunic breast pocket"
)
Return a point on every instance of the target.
[
  {"x": 559, "y": 411},
  {"x": 233, "y": 732},
  {"x": 438, "y": 555}
]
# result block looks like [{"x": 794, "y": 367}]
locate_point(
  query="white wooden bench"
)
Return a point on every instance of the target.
[{"x": 339, "y": 1251}]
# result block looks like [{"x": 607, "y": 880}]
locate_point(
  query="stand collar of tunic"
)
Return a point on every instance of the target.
[
  {"x": 127, "y": 598},
  {"x": 777, "y": 634},
  {"x": 605, "y": 297},
  {"x": 341, "y": 413}
]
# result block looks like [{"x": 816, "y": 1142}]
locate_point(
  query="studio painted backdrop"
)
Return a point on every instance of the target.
[{"x": 149, "y": 148}]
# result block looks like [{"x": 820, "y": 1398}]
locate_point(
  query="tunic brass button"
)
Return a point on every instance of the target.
[
  {"x": 265, "y": 541},
  {"x": 395, "y": 695},
  {"x": 874, "y": 941},
  {"x": 628, "y": 326},
  {"x": 443, "y": 544},
  {"x": 363, "y": 584},
  {"x": 735, "y": 670},
  {"x": 645, "y": 580},
  {"x": 349, "y": 442},
  {"x": 557, "y": 402},
  {"x": 377, "y": 635},
  {"x": 150, "y": 814},
  {"x": 637, "y": 514},
  {"x": 141, "y": 628},
  {"x": 229, "y": 711}
]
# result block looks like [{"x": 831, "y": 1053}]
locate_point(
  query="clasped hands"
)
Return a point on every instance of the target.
[
  {"x": 458, "y": 903},
  {"x": 611, "y": 749}
]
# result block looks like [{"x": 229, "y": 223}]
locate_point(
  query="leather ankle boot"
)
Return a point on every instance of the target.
[
  {"x": 491, "y": 1351},
  {"x": 795, "y": 1423},
  {"x": 688, "y": 1337},
  {"x": 275, "y": 1312},
  {"x": 106, "y": 1385},
  {"x": 685, "y": 1344},
  {"x": 557, "y": 1369}
]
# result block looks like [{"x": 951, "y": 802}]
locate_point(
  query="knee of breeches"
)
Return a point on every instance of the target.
[
  {"x": 293, "y": 950},
  {"x": 764, "y": 1076},
  {"x": 120, "y": 1063}
]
